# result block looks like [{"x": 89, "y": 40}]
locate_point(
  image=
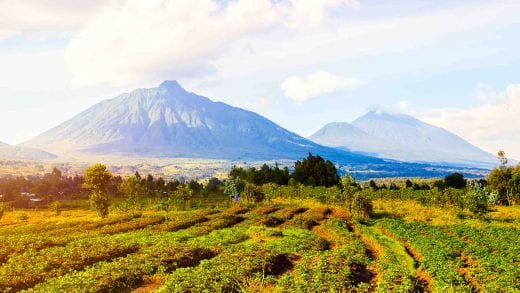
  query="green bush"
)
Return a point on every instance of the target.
[
  {"x": 55, "y": 207},
  {"x": 361, "y": 205},
  {"x": 253, "y": 193},
  {"x": 477, "y": 201}
]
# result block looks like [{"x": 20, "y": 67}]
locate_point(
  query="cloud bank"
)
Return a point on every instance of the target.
[
  {"x": 302, "y": 88},
  {"x": 494, "y": 124}
]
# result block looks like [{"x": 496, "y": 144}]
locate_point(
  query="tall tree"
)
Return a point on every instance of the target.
[
  {"x": 131, "y": 187},
  {"x": 97, "y": 179}
]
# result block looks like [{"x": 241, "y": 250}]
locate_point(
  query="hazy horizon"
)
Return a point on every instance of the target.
[{"x": 301, "y": 64}]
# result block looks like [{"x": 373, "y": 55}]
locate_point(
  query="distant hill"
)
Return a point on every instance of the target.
[
  {"x": 168, "y": 121},
  {"x": 404, "y": 138},
  {"x": 18, "y": 152}
]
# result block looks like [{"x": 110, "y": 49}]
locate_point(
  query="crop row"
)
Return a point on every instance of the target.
[
  {"x": 340, "y": 268},
  {"x": 128, "y": 272},
  {"x": 25, "y": 270},
  {"x": 18, "y": 244},
  {"x": 438, "y": 252},
  {"x": 394, "y": 266}
]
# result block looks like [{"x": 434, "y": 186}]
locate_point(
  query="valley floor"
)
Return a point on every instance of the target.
[{"x": 282, "y": 246}]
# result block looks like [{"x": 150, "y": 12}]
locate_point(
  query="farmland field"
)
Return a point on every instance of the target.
[{"x": 280, "y": 246}]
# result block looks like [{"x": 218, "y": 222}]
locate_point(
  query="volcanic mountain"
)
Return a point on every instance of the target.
[
  {"x": 402, "y": 137},
  {"x": 169, "y": 121}
]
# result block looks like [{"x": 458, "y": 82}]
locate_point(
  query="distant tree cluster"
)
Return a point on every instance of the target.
[
  {"x": 263, "y": 175},
  {"x": 52, "y": 186},
  {"x": 311, "y": 171}
]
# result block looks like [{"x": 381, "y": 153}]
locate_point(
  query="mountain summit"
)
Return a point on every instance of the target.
[
  {"x": 169, "y": 121},
  {"x": 402, "y": 137}
]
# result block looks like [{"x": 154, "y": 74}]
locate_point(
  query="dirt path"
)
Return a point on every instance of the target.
[{"x": 150, "y": 284}]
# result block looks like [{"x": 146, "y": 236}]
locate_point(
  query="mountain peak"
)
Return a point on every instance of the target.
[
  {"x": 388, "y": 117},
  {"x": 172, "y": 86}
]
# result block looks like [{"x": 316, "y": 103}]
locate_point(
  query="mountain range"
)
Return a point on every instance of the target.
[
  {"x": 404, "y": 138},
  {"x": 169, "y": 121}
]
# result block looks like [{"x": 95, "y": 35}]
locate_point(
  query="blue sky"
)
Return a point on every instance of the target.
[{"x": 300, "y": 63}]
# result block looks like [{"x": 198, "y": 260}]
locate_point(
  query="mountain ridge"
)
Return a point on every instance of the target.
[
  {"x": 402, "y": 137},
  {"x": 168, "y": 121}
]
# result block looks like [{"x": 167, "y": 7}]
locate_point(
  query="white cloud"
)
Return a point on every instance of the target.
[
  {"x": 135, "y": 40},
  {"x": 302, "y": 88},
  {"x": 44, "y": 19},
  {"x": 492, "y": 125}
]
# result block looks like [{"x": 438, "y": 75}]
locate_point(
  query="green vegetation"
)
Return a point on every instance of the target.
[{"x": 303, "y": 235}]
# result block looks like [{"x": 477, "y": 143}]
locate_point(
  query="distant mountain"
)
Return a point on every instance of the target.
[
  {"x": 402, "y": 137},
  {"x": 168, "y": 121},
  {"x": 18, "y": 152}
]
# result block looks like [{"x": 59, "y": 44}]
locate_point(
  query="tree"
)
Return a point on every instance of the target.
[
  {"x": 502, "y": 158},
  {"x": 166, "y": 204},
  {"x": 132, "y": 188},
  {"x": 502, "y": 180},
  {"x": 97, "y": 179},
  {"x": 184, "y": 193},
  {"x": 315, "y": 171},
  {"x": 213, "y": 185},
  {"x": 455, "y": 180},
  {"x": 233, "y": 186}
]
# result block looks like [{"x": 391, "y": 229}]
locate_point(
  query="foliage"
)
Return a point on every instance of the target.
[
  {"x": 315, "y": 171},
  {"x": 55, "y": 207},
  {"x": 133, "y": 190},
  {"x": 477, "y": 201},
  {"x": 184, "y": 193},
  {"x": 266, "y": 174},
  {"x": 455, "y": 180},
  {"x": 233, "y": 185},
  {"x": 2, "y": 210},
  {"x": 253, "y": 193},
  {"x": 361, "y": 205},
  {"x": 97, "y": 179}
]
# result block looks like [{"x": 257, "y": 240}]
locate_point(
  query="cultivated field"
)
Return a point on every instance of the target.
[{"x": 281, "y": 246}]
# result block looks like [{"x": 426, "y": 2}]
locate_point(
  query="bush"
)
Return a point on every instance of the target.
[
  {"x": 477, "y": 201},
  {"x": 253, "y": 193},
  {"x": 55, "y": 207},
  {"x": 361, "y": 205}
]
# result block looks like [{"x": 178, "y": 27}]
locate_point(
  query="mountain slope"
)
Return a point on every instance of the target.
[
  {"x": 404, "y": 138},
  {"x": 17, "y": 152},
  {"x": 168, "y": 121}
]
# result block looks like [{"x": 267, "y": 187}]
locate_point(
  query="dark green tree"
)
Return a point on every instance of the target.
[
  {"x": 455, "y": 180},
  {"x": 315, "y": 171}
]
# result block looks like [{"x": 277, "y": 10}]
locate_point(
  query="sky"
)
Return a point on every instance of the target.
[{"x": 300, "y": 63}]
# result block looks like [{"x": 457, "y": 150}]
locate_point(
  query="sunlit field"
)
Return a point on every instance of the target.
[{"x": 282, "y": 245}]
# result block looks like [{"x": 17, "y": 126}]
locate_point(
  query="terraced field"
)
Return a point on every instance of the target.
[{"x": 283, "y": 247}]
